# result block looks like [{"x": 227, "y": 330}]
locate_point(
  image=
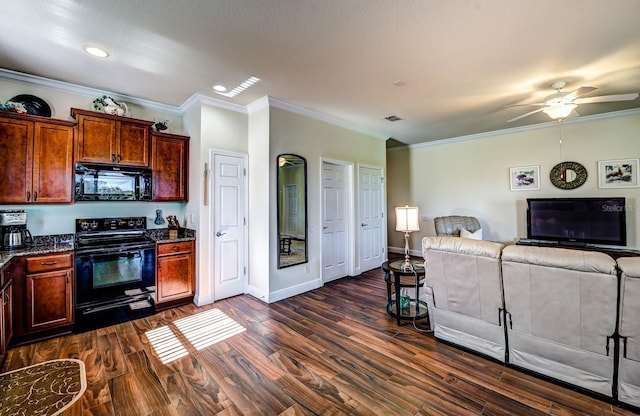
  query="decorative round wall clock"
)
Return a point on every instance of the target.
[{"x": 568, "y": 175}]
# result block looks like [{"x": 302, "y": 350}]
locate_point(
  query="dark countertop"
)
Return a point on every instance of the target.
[
  {"x": 64, "y": 242},
  {"x": 52, "y": 246},
  {"x": 161, "y": 235}
]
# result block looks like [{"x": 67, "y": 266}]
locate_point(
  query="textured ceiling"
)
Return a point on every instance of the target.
[{"x": 462, "y": 60}]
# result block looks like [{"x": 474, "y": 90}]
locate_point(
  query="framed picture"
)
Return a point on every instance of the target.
[
  {"x": 621, "y": 173},
  {"x": 525, "y": 178}
]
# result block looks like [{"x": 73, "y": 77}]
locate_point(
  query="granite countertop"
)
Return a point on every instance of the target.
[
  {"x": 42, "y": 245},
  {"x": 64, "y": 242},
  {"x": 161, "y": 235}
]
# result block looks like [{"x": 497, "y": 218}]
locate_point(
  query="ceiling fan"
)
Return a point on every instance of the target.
[{"x": 560, "y": 104}]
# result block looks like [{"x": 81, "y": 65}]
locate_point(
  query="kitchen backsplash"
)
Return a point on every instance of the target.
[{"x": 60, "y": 219}]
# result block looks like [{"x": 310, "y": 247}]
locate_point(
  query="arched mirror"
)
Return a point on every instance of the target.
[{"x": 292, "y": 210}]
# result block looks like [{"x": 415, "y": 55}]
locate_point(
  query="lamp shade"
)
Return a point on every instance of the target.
[
  {"x": 559, "y": 111},
  {"x": 407, "y": 219}
]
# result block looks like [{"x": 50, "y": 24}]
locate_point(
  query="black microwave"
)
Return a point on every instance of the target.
[{"x": 112, "y": 183}]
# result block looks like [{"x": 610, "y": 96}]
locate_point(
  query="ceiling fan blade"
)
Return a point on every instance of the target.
[
  {"x": 578, "y": 93},
  {"x": 523, "y": 105},
  {"x": 526, "y": 115},
  {"x": 607, "y": 98}
]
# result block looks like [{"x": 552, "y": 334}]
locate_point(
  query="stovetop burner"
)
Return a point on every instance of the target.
[{"x": 110, "y": 232}]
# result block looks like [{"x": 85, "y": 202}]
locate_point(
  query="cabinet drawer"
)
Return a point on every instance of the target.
[
  {"x": 174, "y": 248},
  {"x": 50, "y": 262}
]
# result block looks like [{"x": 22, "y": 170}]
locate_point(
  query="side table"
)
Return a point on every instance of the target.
[{"x": 394, "y": 275}]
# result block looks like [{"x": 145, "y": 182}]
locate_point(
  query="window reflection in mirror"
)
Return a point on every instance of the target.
[{"x": 292, "y": 210}]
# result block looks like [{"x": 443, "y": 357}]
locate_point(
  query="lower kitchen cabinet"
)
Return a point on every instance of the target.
[
  {"x": 175, "y": 273},
  {"x": 42, "y": 296},
  {"x": 6, "y": 318}
]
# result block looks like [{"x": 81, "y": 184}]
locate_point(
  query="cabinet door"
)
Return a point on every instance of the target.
[
  {"x": 175, "y": 277},
  {"x": 16, "y": 150},
  {"x": 6, "y": 316},
  {"x": 96, "y": 140},
  {"x": 133, "y": 144},
  {"x": 169, "y": 166},
  {"x": 53, "y": 163},
  {"x": 49, "y": 299}
]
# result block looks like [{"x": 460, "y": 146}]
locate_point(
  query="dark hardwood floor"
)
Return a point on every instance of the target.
[{"x": 331, "y": 351}]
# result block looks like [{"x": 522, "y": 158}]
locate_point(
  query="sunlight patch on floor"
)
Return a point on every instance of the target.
[
  {"x": 166, "y": 344},
  {"x": 207, "y": 328}
]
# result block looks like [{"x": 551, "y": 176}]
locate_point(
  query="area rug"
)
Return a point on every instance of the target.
[{"x": 43, "y": 389}]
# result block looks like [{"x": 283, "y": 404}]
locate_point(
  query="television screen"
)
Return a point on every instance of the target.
[{"x": 577, "y": 220}]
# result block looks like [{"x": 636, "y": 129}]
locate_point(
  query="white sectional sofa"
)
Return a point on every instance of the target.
[
  {"x": 464, "y": 293},
  {"x": 629, "y": 328},
  {"x": 568, "y": 314},
  {"x": 561, "y": 313}
]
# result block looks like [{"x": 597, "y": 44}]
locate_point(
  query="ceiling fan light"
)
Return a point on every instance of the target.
[{"x": 559, "y": 111}]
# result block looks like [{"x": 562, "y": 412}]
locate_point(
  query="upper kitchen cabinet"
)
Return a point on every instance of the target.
[
  {"x": 169, "y": 164},
  {"x": 105, "y": 138},
  {"x": 36, "y": 154}
]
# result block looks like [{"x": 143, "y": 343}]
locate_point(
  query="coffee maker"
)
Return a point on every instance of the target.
[{"x": 13, "y": 230}]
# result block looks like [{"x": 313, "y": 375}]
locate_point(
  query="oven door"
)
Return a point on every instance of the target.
[{"x": 114, "y": 287}]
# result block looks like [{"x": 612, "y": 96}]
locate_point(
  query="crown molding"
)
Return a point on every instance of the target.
[
  {"x": 259, "y": 104},
  {"x": 303, "y": 111},
  {"x": 200, "y": 99},
  {"x": 81, "y": 90},
  {"x": 577, "y": 120}
]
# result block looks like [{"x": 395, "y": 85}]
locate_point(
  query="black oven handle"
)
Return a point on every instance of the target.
[{"x": 93, "y": 256}]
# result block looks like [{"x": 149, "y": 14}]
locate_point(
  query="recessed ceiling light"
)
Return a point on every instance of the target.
[
  {"x": 219, "y": 88},
  {"x": 399, "y": 83},
  {"x": 97, "y": 52},
  {"x": 237, "y": 90}
]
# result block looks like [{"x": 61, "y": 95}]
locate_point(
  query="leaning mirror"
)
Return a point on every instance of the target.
[{"x": 292, "y": 210}]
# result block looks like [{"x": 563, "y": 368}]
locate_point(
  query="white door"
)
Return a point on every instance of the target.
[
  {"x": 372, "y": 251},
  {"x": 229, "y": 225},
  {"x": 335, "y": 250}
]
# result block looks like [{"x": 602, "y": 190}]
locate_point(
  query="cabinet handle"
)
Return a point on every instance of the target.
[
  {"x": 113, "y": 157},
  {"x": 48, "y": 263},
  {"x": 118, "y": 158},
  {"x": 35, "y": 196},
  {"x": 28, "y": 195}
]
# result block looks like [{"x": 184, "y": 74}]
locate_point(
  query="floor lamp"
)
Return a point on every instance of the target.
[{"x": 407, "y": 221}]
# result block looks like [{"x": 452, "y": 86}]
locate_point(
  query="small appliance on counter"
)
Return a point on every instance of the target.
[{"x": 13, "y": 230}]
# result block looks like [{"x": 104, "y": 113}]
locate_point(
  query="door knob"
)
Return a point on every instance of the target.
[{"x": 220, "y": 234}]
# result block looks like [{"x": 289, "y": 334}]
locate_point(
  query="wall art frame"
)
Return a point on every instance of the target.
[
  {"x": 525, "y": 178},
  {"x": 618, "y": 173}
]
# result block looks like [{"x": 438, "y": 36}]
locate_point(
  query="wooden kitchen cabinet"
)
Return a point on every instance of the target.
[
  {"x": 49, "y": 291},
  {"x": 169, "y": 164},
  {"x": 105, "y": 138},
  {"x": 175, "y": 273},
  {"x": 36, "y": 154},
  {"x": 6, "y": 315}
]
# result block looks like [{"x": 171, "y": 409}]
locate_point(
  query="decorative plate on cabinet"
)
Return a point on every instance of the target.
[{"x": 34, "y": 105}]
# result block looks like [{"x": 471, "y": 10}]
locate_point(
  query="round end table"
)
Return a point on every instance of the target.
[{"x": 399, "y": 277}]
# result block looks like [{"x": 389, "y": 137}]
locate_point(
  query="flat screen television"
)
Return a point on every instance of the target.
[{"x": 577, "y": 221}]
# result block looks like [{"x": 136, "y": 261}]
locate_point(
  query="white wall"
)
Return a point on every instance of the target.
[
  {"x": 471, "y": 177},
  {"x": 210, "y": 128},
  {"x": 314, "y": 140}
]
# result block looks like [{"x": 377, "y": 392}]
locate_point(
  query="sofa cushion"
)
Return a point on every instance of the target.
[
  {"x": 463, "y": 246},
  {"x": 578, "y": 260},
  {"x": 475, "y": 235}
]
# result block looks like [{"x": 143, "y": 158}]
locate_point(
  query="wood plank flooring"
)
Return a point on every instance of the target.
[{"x": 331, "y": 351}]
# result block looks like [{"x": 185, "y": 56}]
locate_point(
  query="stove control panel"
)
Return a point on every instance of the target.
[{"x": 110, "y": 224}]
